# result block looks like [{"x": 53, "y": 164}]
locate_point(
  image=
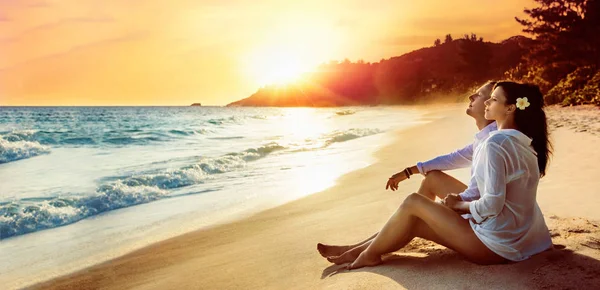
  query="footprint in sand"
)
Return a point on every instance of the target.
[
  {"x": 592, "y": 242},
  {"x": 571, "y": 265}
]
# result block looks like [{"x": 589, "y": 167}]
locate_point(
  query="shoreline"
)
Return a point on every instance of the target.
[
  {"x": 276, "y": 248},
  {"x": 183, "y": 223}
]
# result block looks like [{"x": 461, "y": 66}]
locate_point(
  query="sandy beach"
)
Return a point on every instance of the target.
[{"x": 276, "y": 249}]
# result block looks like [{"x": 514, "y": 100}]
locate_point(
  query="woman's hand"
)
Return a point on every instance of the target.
[
  {"x": 393, "y": 181},
  {"x": 451, "y": 200},
  {"x": 454, "y": 202}
]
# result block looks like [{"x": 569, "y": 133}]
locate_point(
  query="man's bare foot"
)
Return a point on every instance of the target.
[
  {"x": 365, "y": 260},
  {"x": 332, "y": 251}
]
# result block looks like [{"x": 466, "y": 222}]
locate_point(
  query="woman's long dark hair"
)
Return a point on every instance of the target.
[{"x": 531, "y": 121}]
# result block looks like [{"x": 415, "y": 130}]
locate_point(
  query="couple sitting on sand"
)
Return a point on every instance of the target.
[{"x": 495, "y": 219}]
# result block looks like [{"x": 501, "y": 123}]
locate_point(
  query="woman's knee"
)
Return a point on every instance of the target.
[{"x": 413, "y": 199}]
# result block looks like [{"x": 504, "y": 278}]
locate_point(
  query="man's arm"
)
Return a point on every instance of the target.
[{"x": 458, "y": 159}]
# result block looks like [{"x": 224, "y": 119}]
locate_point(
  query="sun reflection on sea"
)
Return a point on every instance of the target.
[
  {"x": 304, "y": 126},
  {"x": 307, "y": 129}
]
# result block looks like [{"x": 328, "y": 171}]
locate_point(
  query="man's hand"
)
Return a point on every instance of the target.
[{"x": 393, "y": 181}]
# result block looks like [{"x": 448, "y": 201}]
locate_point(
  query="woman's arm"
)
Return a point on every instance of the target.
[
  {"x": 462, "y": 206},
  {"x": 454, "y": 202},
  {"x": 493, "y": 187},
  {"x": 472, "y": 191}
]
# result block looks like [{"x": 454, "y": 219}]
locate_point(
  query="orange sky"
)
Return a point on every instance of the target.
[{"x": 154, "y": 52}]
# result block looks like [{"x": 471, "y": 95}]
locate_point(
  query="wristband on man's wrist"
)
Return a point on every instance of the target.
[{"x": 407, "y": 172}]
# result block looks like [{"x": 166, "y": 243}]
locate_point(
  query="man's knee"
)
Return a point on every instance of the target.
[
  {"x": 433, "y": 174},
  {"x": 430, "y": 179}
]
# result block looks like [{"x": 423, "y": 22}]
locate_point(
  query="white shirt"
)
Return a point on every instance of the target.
[
  {"x": 460, "y": 159},
  {"x": 507, "y": 218}
]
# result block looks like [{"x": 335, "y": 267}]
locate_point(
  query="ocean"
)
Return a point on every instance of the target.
[{"x": 79, "y": 185}]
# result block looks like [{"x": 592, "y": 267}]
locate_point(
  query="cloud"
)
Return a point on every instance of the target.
[
  {"x": 38, "y": 4},
  {"x": 345, "y": 22},
  {"x": 44, "y": 26},
  {"x": 26, "y": 4},
  {"x": 125, "y": 38},
  {"x": 60, "y": 22},
  {"x": 4, "y": 18},
  {"x": 490, "y": 27},
  {"x": 34, "y": 29},
  {"x": 71, "y": 20},
  {"x": 409, "y": 40},
  {"x": 93, "y": 19},
  {"x": 7, "y": 40},
  {"x": 464, "y": 22}
]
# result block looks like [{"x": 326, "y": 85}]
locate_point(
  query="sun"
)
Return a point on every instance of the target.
[
  {"x": 278, "y": 66},
  {"x": 290, "y": 50},
  {"x": 283, "y": 71}
]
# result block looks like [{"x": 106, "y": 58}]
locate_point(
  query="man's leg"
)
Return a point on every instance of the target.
[
  {"x": 436, "y": 183},
  {"x": 440, "y": 184}
]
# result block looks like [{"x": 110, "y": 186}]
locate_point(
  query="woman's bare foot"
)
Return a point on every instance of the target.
[
  {"x": 365, "y": 259},
  {"x": 349, "y": 256},
  {"x": 332, "y": 251}
]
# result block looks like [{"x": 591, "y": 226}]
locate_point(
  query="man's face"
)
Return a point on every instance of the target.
[{"x": 476, "y": 101}]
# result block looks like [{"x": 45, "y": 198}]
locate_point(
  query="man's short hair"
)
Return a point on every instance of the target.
[{"x": 491, "y": 83}]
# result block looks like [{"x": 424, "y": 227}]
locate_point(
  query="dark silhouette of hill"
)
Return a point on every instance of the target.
[{"x": 443, "y": 72}]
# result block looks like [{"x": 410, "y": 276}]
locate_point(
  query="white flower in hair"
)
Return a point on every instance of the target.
[{"x": 522, "y": 103}]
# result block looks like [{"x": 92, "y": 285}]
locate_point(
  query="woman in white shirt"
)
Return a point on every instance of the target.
[{"x": 506, "y": 223}]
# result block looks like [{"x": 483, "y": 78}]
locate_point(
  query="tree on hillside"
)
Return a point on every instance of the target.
[
  {"x": 472, "y": 37},
  {"x": 437, "y": 42},
  {"x": 448, "y": 38},
  {"x": 566, "y": 34},
  {"x": 476, "y": 56}
]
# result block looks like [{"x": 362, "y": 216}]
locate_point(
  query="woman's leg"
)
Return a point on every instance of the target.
[
  {"x": 436, "y": 183},
  {"x": 444, "y": 226},
  {"x": 328, "y": 251},
  {"x": 349, "y": 255}
]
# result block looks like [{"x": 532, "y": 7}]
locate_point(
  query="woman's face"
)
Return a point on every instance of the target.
[{"x": 495, "y": 106}]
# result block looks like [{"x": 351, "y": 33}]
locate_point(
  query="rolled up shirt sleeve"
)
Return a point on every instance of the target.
[
  {"x": 471, "y": 193},
  {"x": 458, "y": 159},
  {"x": 493, "y": 191}
]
